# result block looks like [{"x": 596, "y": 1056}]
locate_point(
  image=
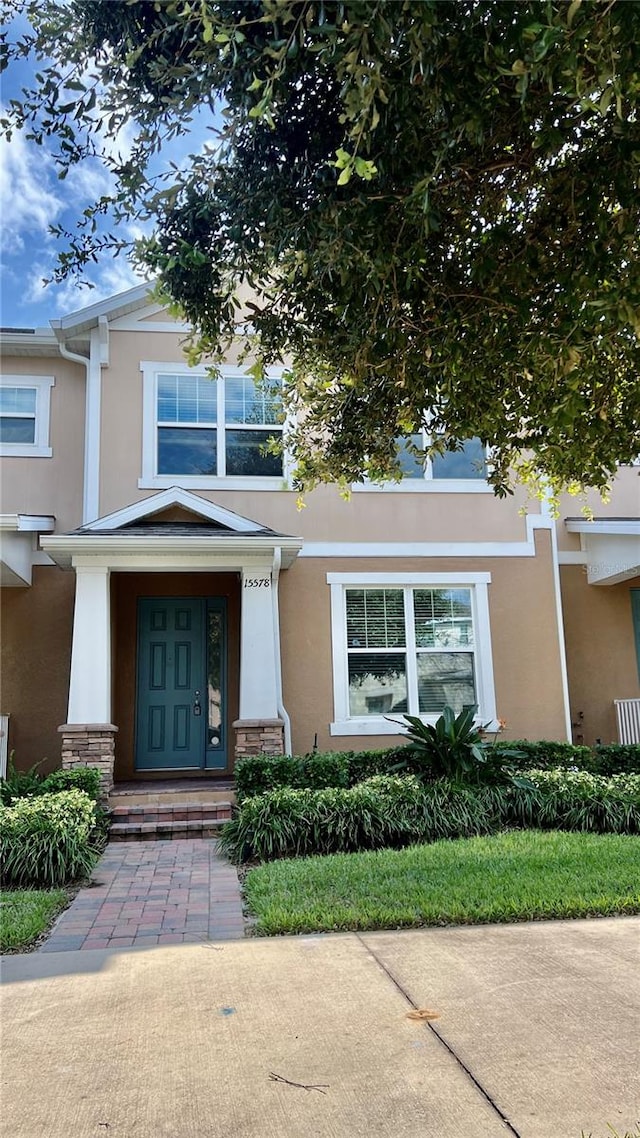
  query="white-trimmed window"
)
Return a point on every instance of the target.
[
  {"x": 198, "y": 431},
  {"x": 470, "y": 462},
  {"x": 24, "y": 415},
  {"x": 459, "y": 471},
  {"x": 409, "y": 643}
]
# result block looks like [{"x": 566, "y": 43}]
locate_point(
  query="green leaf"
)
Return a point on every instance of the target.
[{"x": 572, "y": 11}]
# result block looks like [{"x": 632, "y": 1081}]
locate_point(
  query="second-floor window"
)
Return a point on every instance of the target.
[
  {"x": 209, "y": 429},
  {"x": 469, "y": 462},
  {"x": 24, "y": 415}
]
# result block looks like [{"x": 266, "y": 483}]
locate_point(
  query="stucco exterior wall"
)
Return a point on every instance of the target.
[
  {"x": 624, "y": 502},
  {"x": 524, "y": 630},
  {"x": 36, "y": 628},
  {"x": 50, "y": 485},
  {"x": 367, "y": 516},
  {"x": 601, "y": 658}
]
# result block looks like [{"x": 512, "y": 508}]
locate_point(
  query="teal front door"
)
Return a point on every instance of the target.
[{"x": 180, "y": 684}]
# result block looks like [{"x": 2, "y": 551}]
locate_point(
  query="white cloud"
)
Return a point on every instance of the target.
[
  {"x": 112, "y": 275},
  {"x": 29, "y": 203}
]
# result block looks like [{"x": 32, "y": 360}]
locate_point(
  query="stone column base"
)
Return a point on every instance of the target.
[
  {"x": 90, "y": 745},
  {"x": 259, "y": 737}
]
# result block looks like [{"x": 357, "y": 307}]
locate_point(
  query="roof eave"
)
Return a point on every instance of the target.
[
  {"x": 65, "y": 548},
  {"x": 77, "y": 324}
]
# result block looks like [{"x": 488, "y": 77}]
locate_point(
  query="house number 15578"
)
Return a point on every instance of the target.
[{"x": 257, "y": 582}]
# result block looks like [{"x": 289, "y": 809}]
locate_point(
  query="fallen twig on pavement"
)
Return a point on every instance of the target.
[{"x": 303, "y": 1086}]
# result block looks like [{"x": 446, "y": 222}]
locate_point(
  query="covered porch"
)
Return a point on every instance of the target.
[{"x": 175, "y": 661}]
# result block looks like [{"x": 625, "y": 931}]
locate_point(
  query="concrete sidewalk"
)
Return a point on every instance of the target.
[{"x": 537, "y": 1036}]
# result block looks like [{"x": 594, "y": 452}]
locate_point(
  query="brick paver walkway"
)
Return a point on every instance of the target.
[{"x": 146, "y": 893}]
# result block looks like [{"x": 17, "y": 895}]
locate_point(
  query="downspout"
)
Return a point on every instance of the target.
[
  {"x": 91, "y": 468},
  {"x": 282, "y": 711},
  {"x": 546, "y": 512}
]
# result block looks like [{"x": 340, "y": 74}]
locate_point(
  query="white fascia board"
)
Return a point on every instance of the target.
[
  {"x": 42, "y": 342},
  {"x": 616, "y": 527},
  {"x": 66, "y": 549},
  {"x": 28, "y": 523},
  {"x": 175, "y": 496},
  {"x": 85, "y": 318}
]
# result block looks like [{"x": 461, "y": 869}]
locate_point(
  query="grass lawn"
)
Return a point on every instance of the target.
[
  {"x": 26, "y": 913},
  {"x": 516, "y": 876}
]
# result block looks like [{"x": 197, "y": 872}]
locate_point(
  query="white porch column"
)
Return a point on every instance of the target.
[
  {"x": 90, "y": 683},
  {"x": 258, "y": 679}
]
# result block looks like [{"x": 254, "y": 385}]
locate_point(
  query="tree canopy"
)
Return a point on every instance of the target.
[{"x": 434, "y": 205}]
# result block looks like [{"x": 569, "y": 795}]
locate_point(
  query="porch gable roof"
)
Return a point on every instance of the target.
[{"x": 139, "y": 531}]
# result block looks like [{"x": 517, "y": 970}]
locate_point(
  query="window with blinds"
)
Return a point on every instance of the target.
[
  {"x": 410, "y": 649},
  {"x": 18, "y": 414},
  {"x": 24, "y": 415},
  {"x": 218, "y": 428}
]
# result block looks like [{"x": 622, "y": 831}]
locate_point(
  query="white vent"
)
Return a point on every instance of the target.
[
  {"x": 4, "y": 744},
  {"x": 628, "y": 716}
]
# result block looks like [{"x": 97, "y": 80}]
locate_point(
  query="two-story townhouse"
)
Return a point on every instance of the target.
[{"x": 166, "y": 606}]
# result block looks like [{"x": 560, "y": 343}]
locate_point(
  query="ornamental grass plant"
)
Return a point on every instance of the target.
[
  {"x": 397, "y": 810},
  {"x": 45, "y": 840}
]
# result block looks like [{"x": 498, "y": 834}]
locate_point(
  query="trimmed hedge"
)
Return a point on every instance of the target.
[
  {"x": 261, "y": 773},
  {"x": 257, "y": 774},
  {"x": 617, "y": 758},
  {"x": 545, "y": 754},
  {"x": 78, "y": 778},
  {"x": 578, "y": 800},
  {"x": 45, "y": 839},
  {"x": 24, "y": 784},
  {"x": 398, "y": 810}
]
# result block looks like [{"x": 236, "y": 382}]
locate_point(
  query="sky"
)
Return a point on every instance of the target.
[{"x": 32, "y": 198}]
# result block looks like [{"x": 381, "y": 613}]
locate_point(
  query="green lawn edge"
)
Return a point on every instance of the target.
[
  {"x": 508, "y": 877},
  {"x": 27, "y": 914}
]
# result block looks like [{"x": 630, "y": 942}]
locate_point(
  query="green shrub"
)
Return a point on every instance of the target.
[
  {"x": 366, "y": 764},
  {"x": 386, "y": 810},
  {"x": 577, "y": 800},
  {"x": 321, "y": 770},
  {"x": 255, "y": 774},
  {"x": 454, "y": 748},
  {"x": 398, "y": 810},
  {"x": 19, "y": 783},
  {"x": 79, "y": 778},
  {"x": 295, "y": 822},
  {"x": 617, "y": 758},
  {"x": 45, "y": 839},
  {"x": 544, "y": 755}
]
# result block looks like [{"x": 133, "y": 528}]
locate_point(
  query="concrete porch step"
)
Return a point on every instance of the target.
[
  {"x": 170, "y": 794},
  {"x": 169, "y": 831},
  {"x": 145, "y": 821}
]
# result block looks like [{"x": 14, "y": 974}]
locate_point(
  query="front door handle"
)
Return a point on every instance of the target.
[{"x": 197, "y": 709}]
